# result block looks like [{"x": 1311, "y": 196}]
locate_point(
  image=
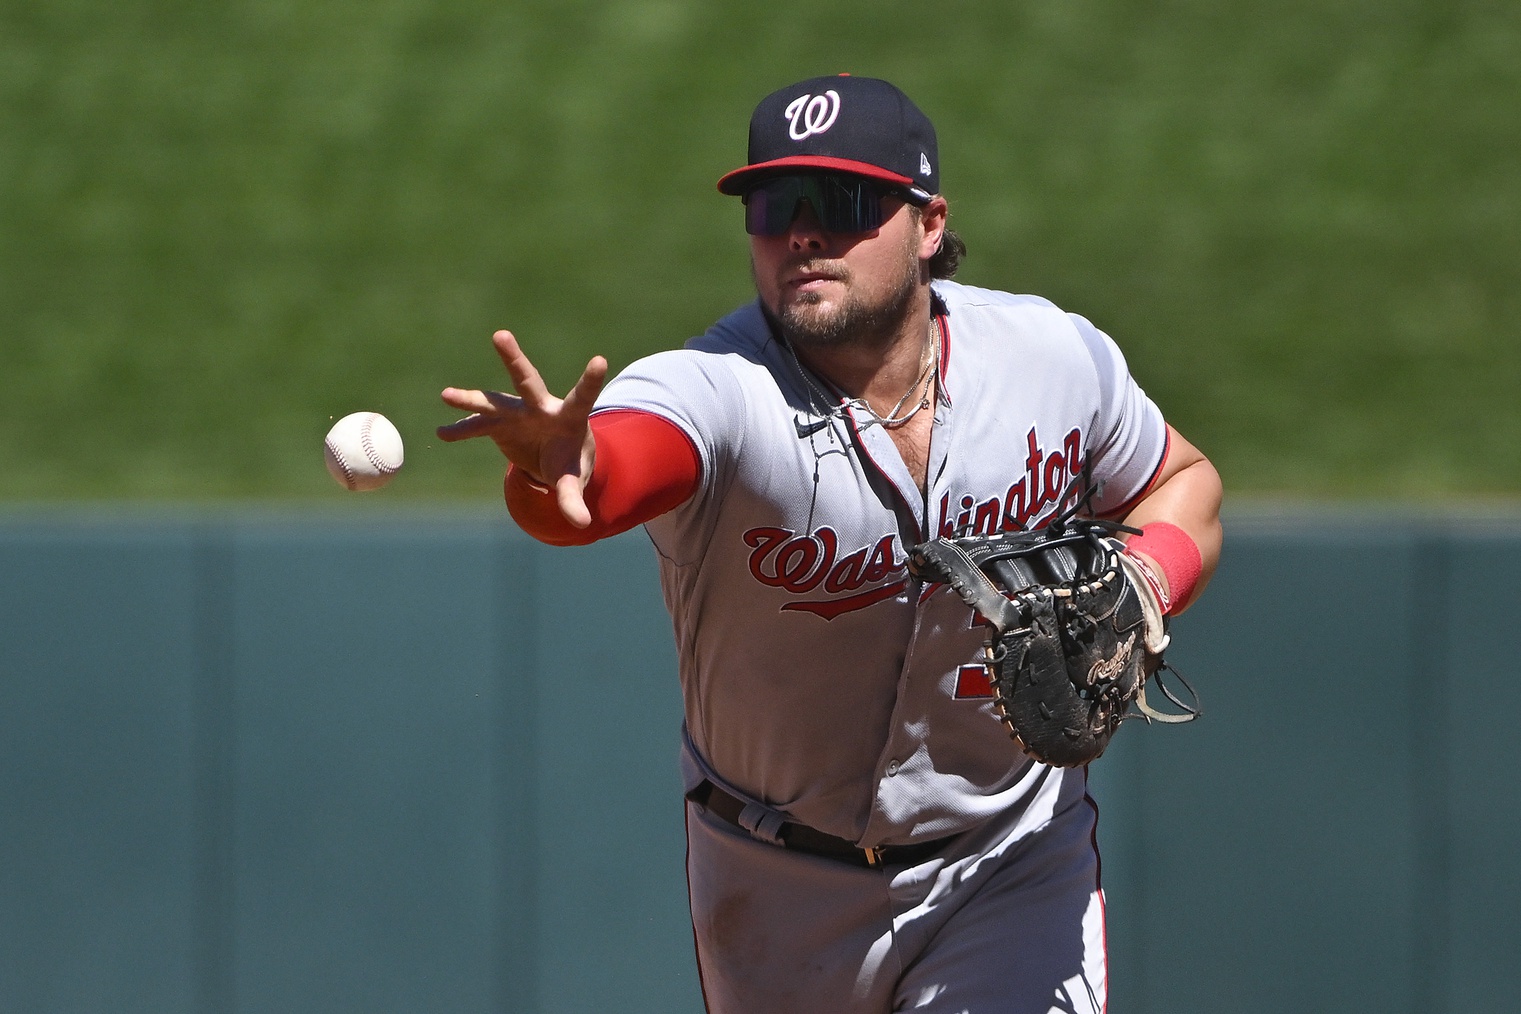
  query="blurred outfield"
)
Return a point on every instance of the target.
[{"x": 223, "y": 224}]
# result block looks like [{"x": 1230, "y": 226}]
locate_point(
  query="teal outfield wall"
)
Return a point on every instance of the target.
[{"x": 283, "y": 763}]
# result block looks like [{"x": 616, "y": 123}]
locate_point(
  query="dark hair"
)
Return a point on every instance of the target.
[{"x": 952, "y": 249}]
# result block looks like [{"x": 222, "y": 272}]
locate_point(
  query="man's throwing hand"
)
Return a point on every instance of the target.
[{"x": 546, "y": 437}]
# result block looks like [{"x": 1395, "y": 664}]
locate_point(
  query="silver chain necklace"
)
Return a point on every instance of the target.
[
  {"x": 827, "y": 407},
  {"x": 892, "y": 420}
]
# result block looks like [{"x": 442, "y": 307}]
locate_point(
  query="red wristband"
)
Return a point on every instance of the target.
[{"x": 1176, "y": 554}]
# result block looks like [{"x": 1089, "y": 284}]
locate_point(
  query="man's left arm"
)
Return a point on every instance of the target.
[{"x": 1180, "y": 517}]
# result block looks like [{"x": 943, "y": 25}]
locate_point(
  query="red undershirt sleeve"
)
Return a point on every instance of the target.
[{"x": 645, "y": 466}]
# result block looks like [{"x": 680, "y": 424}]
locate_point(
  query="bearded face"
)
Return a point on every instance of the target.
[{"x": 824, "y": 290}]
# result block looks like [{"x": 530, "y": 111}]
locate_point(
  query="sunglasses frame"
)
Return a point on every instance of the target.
[{"x": 842, "y": 203}]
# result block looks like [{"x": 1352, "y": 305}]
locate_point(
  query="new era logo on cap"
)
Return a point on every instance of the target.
[{"x": 857, "y": 125}]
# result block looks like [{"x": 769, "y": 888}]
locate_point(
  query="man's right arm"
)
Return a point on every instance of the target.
[{"x": 645, "y": 465}]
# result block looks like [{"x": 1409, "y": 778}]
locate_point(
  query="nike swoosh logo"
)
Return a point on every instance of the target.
[{"x": 810, "y": 428}]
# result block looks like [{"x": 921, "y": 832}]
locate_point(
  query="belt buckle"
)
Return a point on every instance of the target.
[{"x": 873, "y": 856}]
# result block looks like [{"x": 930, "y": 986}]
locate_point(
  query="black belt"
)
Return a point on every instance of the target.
[{"x": 802, "y": 838}]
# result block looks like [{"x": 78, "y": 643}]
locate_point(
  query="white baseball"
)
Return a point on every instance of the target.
[{"x": 363, "y": 451}]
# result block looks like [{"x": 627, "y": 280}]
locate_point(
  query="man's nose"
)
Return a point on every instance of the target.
[{"x": 805, "y": 232}]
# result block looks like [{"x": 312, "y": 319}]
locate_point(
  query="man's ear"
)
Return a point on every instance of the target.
[{"x": 932, "y": 217}]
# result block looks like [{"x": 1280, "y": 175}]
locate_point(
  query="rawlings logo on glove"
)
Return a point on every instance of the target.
[{"x": 1067, "y": 610}]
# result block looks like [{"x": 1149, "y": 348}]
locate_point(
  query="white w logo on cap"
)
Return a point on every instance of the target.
[{"x": 812, "y": 114}]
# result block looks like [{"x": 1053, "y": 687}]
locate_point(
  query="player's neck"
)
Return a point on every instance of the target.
[{"x": 879, "y": 371}]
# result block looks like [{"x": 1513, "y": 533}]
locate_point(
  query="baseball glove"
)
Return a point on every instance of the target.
[{"x": 1074, "y": 631}]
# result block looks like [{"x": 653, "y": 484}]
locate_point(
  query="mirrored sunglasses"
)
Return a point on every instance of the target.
[{"x": 841, "y": 203}]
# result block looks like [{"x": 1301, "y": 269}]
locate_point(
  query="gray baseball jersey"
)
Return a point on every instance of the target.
[{"x": 818, "y": 677}]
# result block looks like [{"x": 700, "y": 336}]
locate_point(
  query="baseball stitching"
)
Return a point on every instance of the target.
[
  {"x": 369, "y": 448},
  {"x": 348, "y": 476}
]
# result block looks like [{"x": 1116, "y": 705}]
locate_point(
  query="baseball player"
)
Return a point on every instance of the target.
[{"x": 863, "y": 834}]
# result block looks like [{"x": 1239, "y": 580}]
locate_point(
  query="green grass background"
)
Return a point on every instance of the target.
[{"x": 224, "y": 224}]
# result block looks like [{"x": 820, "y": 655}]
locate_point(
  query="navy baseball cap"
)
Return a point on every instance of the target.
[{"x": 857, "y": 125}]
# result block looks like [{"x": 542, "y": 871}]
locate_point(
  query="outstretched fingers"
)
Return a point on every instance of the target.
[
  {"x": 547, "y": 437},
  {"x": 572, "y": 475},
  {"x": 583, "y": 397},
  {"x": 492, "y": 409},
  {"x": 486, "y": 408},
  {"x": 526, "y": 379}
]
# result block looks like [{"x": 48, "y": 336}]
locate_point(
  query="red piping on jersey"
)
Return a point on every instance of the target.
[
  {"x": 646, "y": 465},
  {"x": 945, "y": 353},
  {"x": 866, "y": 457},
  {"x": 1151, "y": 483}
]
